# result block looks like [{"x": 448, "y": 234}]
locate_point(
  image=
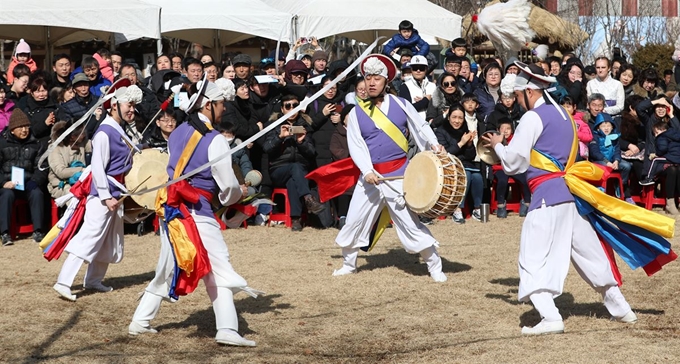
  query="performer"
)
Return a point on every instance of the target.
[
  {"x": 100, "y": 238},
  {"x": 545, "y": 146},
  {"x": 185, "y": 207},
  {"x": 376, "y": 134}
]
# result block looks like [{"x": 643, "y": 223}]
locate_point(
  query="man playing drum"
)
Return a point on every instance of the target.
[
  {"x": 378, "y": 146},
  {"x": 186, "y": 206},
  {"x": 553, "y": 233},
  {"x": 100, "y": 238}
]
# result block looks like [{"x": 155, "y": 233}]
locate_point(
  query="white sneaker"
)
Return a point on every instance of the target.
[
  {"x": 98, "y": 287},
  {"x": 629, "y": 318},
  {"x": 544, "y": 327},
  {"x": 261, "y": 219},
  {"x": 230, "y": 337},
  {"x": 136, "y": 328},
  {"x": 439, "y": 277},
  {"x": 345, "y": 270},
  {"x": 64, "y": 292}
]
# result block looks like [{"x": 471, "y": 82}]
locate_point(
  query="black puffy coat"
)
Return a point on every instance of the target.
[
  {"x": 287, "y": 151},
  {"x": 499, "y": 112},
  {"x": 449, "y": 137},
  {"x": 240, "y": 113},
  {"x": 37, "y": 112},
  {"x": 323, "y": 128},
  {"x": 23, "y": 154}
]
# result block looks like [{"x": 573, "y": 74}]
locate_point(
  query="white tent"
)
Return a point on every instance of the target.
[
  {"x": 54, "y": 23},
  {"x": 215, "y": 22},
  {"x": 363, "y": 20}
]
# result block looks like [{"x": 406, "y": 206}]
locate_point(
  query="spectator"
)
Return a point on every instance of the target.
[
  {"x": 506, "y": 128},
  {"x": 571, "y": 78},
  {"x": 628, "y": 76},
  {"x": 452, "y": 65},
  {"x": 668, "y": 146},
  {"x": 446, "y": 94},
  {"x": 21, "y": 75},
  {"x": 651, "y": 112},
  {"x": 648, "y": 84},
  {"x": 511, "y": 68},
  {"x": 165, "y": 124},
  {"x": 194, "y": 69},
  {"x": 489, "y": 93},
  {"x": 617, "y": 63},
  {"x": 228, "y": 71},
  {"x": 6, "y": 107},
  {"x": 668, "y": 83},
  {"x": 590, "y": 73},
  {"x": 66, "y": 161},
  {"x": 240, "y": 112},
  {"x": 242, "y": 63},
  {"x": 103, "y": 57},
  {"x": 508, "y": 108},
  {"x": 409, "y": 38},
  {"x": 555, "y": 66},
  {"x": 40, "y": 109},
  {"x": 583, "y": 132},
  {"x": 306, "y": 60},
  {"x": 604, "y": 149},
  {"x": 301, "y": 47},
  {"x": 458, "y": 140},
  {"x": 80, "y": 104},
  {"x": 633, "y": 134},
  {"x": 325, "y": 112},
  {"x": 263, "y": 96},
  {"x": 596, "y": 104},
  {"x": 239, "y": 158},
  {"x": 62, "y": 95},
  {"x": 116, "y": 62},
  {"x": 206, "y": 58},
  {"x": 163, "y": 62},
  {"x": 61, "y": 66},
  {"x": 610, "y": 88},
  {"x": 295, "y": 79},
  {"x": 467, "y": 80},
  {"x": 22, "y": 55},
  {"x": 319, "y": 62},
  {"x": 176, "y": 59},
  {"x": 418, "y": 90},
  {"x": 90, "y": 67},
  {"x": 211, "y": 70},
  {"x": 290, "y": 157},
  {"x": 359, "y": 92},
  {"x": 150, "y": 104},
  {"x": 18, "y": 148}
]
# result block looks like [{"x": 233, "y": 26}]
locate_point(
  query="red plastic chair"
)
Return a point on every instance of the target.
[
  {"x": 514, "y": 201},
  {"x": 610, "y": 180},
  {"x": 281, "y": 216},
  {"x": 20, "y": 218}
]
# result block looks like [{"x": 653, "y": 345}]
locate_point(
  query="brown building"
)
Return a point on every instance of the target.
[{"x": 666, "y": 8}]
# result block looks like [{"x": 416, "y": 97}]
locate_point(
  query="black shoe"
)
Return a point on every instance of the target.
[
  {"x": 38, "y": 236},
  {"x": 297, "y": 224},
  {"x": 7, "y": 240},
  {"x": 426, "y": 220},
  {"x": 502, "y": 212},
  {"x": 341, "y": 223},
  {"x": 313, "y": 206},
  {"x": 523, "y": 209},
  {"x": 647, "y": 182}
]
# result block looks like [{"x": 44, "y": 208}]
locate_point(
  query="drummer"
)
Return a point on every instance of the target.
[
  {"x": 378, "y": 146},
  {"x": 100, "y": 238}
]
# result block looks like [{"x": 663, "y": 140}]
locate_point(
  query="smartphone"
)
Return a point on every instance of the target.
[{"x": 296, "y": 129}]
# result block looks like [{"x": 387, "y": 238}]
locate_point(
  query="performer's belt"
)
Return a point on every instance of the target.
[
  {"x": 389, "y": 166},
  {"x": 120, "y": 178},
  {"x": 537, "y": 181}
]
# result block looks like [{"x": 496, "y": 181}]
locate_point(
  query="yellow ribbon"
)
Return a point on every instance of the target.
[
  {"x": 579, "y": 176},
  {"x": 383, "y": 123}
]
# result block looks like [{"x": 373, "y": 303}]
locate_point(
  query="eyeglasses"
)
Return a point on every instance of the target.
[
  {"x": 419, "y": 68},
  {"x": 449, "y": 84},
  {"x": 291, "y": 105},
  {"x": 168, "y": 121}
]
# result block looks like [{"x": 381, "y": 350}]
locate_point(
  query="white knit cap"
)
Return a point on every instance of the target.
[{"x": 127, "y": 94}]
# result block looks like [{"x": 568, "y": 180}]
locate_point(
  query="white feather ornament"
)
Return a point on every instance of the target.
[{"x": 507, "y": 26}]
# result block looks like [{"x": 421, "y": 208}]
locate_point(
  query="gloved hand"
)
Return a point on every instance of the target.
[
  {"x": 77, "y": 164},
  {"x": 74, "y": 178}
]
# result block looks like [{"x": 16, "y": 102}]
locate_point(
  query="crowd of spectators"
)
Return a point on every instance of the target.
[{"x": 625, "y": 118}]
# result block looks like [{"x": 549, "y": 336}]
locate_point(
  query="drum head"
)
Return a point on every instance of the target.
[
  {"x": 151, "y": 164},
  {"x": 423, "y": 182}
]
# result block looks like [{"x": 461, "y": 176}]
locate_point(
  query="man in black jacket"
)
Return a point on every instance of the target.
[
  {"x": 80, "y": 104},
  {"x": 18, "y": 148}
]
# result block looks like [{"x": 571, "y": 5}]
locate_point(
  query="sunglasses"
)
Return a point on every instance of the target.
[
  {"x": 449, "y": 84},
  {"x": 291, "y": 105},
  {"x": 419, "y": 68}
]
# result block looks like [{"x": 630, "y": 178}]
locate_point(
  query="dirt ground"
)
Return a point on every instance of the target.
[{"x": 390, "y": 312}]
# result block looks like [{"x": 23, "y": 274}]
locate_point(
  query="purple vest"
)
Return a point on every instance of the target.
[
  {"x": 203, "y": 180},
  {"x": 120, "y": 158},
  {"x": 381, "y": 147},
  {"x": 555, "y": 140}
]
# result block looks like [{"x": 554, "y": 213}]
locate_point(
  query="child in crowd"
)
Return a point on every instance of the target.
[
  {"x": 505, "y": 128},
  {"x": 22, "y": 55},
  {"x": 239, "y": 158},
  {"x": 585, "y": 135},
  {"x": 103, "y": 57},
  {"x": 604, "y": 149},
  {"x": 459, "y": 48},
  {"x": 668, "y": 149},
  {"x": 406, "y": 38}
]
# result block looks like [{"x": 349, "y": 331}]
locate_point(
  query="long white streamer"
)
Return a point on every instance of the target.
[{"x": 301, "y": 107}]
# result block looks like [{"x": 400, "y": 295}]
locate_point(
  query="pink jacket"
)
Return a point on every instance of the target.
[
  {"x": 584, "y": 134},
  {"x": 5, "y": 111},
  {"x": 30, "y": 63},
  {"x": 104, "y": 67}
]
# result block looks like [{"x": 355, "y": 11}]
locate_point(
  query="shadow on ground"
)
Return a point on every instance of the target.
[{"x": 409, "y": 263}]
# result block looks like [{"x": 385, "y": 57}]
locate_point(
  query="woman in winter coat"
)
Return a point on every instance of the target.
[
  {"x": 6, "y": 107},
  {"x": 571, "y": 78},
  {"x": 628, "y": 75},
  {"x": 457, "y": 139},
  {"x": 489, "y": 94},
  {"x": 239, "y": 112},
  {"x": 447, "y": 93},
  {"x": 40, "y": 109},
  {"x": 66, "y": 161},
  {"x": 633, "y": 134},
  {"x": 325, "y": 112}
]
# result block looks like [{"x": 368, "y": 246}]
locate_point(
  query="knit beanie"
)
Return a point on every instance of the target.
[
  {"x": 319, "y": 55},
  {"x": 23, "y": 47},
  {"x": 18, "y": 119}
]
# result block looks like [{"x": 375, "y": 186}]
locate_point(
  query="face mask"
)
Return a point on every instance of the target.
[
  {"x": 408, "y": 78},
  {"x": 229, "y": 140}
]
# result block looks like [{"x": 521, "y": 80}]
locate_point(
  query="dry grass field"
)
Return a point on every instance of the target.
[{"x": 390, "y": 312}]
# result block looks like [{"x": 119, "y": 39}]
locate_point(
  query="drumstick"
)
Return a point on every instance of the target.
[
  {"x": 390, "y": 178},
  {"x": 136, "y": 188}
]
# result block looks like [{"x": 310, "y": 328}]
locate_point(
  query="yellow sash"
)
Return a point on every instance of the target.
[
  {"x": 185, "y": 251},
  {"x": 579, "y": 176},
  {"x": 383, "y": 123}
]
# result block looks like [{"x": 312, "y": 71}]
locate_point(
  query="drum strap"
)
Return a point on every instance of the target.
[{"x": 383, "y": 123}]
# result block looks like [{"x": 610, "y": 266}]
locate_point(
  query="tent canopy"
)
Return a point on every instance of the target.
[
  {"x": 63, "y": 22},
  {"x": 362, "y": 20},
  {"x": 224, "y": 21}
]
